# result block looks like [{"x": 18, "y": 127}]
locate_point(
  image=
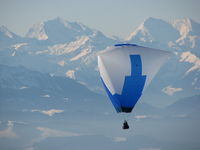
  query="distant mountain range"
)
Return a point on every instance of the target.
[
  {"x": 179, "y": 34},
  {"x": 43, "y": 111},
  {"x": 68, "y": 49},
  {"x": 21, "y": 88}
]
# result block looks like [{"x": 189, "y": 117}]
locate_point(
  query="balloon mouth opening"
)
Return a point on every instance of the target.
[{"x": 126, "y": 109}]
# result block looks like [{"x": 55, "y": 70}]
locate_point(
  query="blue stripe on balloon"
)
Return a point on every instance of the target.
[
  {"x": 132, "y": 88},
  {"x": 113, "y": 99}
]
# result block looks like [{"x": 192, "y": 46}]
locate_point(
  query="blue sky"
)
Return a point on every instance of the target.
[{"x": 112, "y": 17}]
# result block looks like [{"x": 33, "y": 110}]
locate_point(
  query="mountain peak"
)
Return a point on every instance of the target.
[
  {"x": 3, "y": 28},
  {"x": 59, "y": 19},
  {"x": 154, "y": 23},
  {"x": 58, "y": 30},
  {"x": 154, "y": 29},
  {"x": 6, "y": 32},
  {"x": 151, "y": 19},
  {"x": 37, "y": 31}
]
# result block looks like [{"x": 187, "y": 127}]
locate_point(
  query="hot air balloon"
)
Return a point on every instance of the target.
[{"x": 126, "y": 70}]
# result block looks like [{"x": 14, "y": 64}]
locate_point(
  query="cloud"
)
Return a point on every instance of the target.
[
  {"x": 190, "y": 58},
  {"x": 29, "y": 148},
  {"x": 169, "y": 90},
  {"x": 149, "y": 149},
  {"x": 8, "y": 132},
  {"x": 140, "y": 117},
  {"x": 49, "y": 133},
  {"x": 119, "y": 139},
  {"x": 66, "y": 99},
  {"x": 180, "y": 116},
  {"x": 50, "y": 112},
  {"x": 23, "y": 87},
  {"x": 46, "y": 96}
]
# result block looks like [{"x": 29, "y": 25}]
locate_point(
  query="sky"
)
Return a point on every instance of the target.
[{"x": 112, "y": 17}]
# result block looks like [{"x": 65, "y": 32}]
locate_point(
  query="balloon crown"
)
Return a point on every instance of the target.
[{"x": 125, "y": 45}]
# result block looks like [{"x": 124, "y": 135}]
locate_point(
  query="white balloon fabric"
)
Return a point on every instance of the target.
[{"x": 127, "y": 69}]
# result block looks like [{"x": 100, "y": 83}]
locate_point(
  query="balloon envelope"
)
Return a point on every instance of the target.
[{"x": 126, "y": 70}]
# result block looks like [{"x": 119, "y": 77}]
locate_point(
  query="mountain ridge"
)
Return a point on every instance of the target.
[
  {"x": 74, "y": 55},
  {"x": 178, "y": 33}
]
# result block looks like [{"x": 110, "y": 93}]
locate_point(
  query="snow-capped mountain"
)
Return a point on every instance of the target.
[
  {"x": 154, "y": 30},
  {"x": 59, "y": 31},
  {"x": 7, "y": 37},
  {"x": 45, "y": 102},
  {"x": 60, "y": 47},
  {"x": 178, "y": 34},
  {"x": 68, "y": 49},
  {"x": 180, "y": 76},
  {"x": 189, "y": 32}
]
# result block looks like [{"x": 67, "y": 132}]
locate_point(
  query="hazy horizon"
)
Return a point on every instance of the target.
[{"x": 117, "y": 18}]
